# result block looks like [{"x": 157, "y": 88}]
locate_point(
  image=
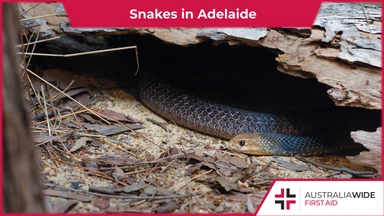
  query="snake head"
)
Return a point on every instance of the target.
[{"x": 253, "y": 143}]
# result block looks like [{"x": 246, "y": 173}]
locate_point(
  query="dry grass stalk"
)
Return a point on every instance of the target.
[
  {"x": 46, "y": 111},
  {"x": 120, "y": 148},
  {"x": 183, "y": 184},
  {"x": 67, "y": 115},
  {"x": 80, "y": 53},
  {"x": 26, "y": 11},
  {"x": 42, "y": 16},
  {"x": 38, "y": 41}
]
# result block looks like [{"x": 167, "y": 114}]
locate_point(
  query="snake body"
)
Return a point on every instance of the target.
[{"x": 280, "y": 133}]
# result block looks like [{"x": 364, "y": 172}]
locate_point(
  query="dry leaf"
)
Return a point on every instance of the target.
[
  {"x": 223, "y": 181},
  {"x": 160, "y": 191},
  {"x": 68, "y": 195},
  {"x": 244, "y": 190},
  {"x": 111, "y": 129},
  {"x": 209, "y": 162},
  {"x": 149, "y": 156},
  {"x": 167, "y": 208},
  {"x": 97, "y": 143},
  {"x": 62, "y": 205},
  {"x": 83, "y": 98},
  {"x": 80, "y": 143},
  {"x": 118, "y": 173},
  {"x": 194, "y": 169},
  {"x": 91, "y": 164},
  {"x": 225, "y": 171},
  {"x": 73, "y": 92},
  {"x": 290, "y": 165},
  {"x": 102, "y": 190},
  {"x": 111, "y": 115},
  {"x": 101, "y": 202},
  {"x": 236, "y": 197},
  {"x": 237, "y": 161},
  {"x": 250, "y": 206},
  {"x": 88, "y": 118},
  {"x": 38, "y": 138},
  {"x": 135, "y": 187},
  {"x": 64, "y": 78}
]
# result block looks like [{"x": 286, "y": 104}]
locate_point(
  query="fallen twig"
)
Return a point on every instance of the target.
[
  {"x": 66, "y": 115},
  {"x": 39, "y": 41},
  {"x": 68, "y": 195},
  {"x": 81, "y": 53},
  {"x": 26, "y": 11},
  {"x": 340, "y": 169},
  {"x": 179, "y": 155},
  {"x": 120, "y": 148},
  {"x": 262, "y": 168},
  {"x": 140, "y": 171},
  {"x": 159, "y": 124},
  {"x": 46, "y": 111},
  {"x": 123, "y": 167},
  {"x": 42, "y": 16},
  {"x": 101, "y": 190},
  {"x": 103, "y": 175},
  {"x": 179, "y": 186},
  {"x": 50, "y": 114},
  {"x": 118, "y": 196}
]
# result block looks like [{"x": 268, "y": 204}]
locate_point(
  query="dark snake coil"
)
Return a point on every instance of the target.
[{"x": 219, "y": 120}]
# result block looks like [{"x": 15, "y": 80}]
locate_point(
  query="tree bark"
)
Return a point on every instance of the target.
[{"x": 21, "y": 176}]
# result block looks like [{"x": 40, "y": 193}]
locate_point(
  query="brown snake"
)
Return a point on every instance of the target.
[{"x": 266, "y": 134}]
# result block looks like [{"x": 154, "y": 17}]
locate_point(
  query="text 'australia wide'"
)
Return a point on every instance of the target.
[{"x": 340, "y": 195}]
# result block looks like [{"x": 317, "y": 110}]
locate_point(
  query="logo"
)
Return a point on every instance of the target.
[{"x": 286, "y": 201}]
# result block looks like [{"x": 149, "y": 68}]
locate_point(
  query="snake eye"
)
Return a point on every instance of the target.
[{"x": 242, "y": 143}]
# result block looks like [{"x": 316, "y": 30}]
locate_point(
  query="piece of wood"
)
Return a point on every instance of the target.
[
  {"x": 342, "y": 49},
  {"x": 21, "y": 175},
  {"x": 371, "y": 140}
]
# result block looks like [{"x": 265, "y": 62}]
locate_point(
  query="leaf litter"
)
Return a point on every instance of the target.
[
  {"x": 139, "y": 172},
  {"x": 151, "y": 170}
]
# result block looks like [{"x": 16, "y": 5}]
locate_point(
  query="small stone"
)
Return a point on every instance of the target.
[{"x": 75, "y": 184}]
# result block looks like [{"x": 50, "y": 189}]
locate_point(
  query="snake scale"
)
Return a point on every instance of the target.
[{"x": 249, "y": 132}]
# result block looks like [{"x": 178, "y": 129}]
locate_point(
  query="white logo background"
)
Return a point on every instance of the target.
[{"x": 345, "y": 206}]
